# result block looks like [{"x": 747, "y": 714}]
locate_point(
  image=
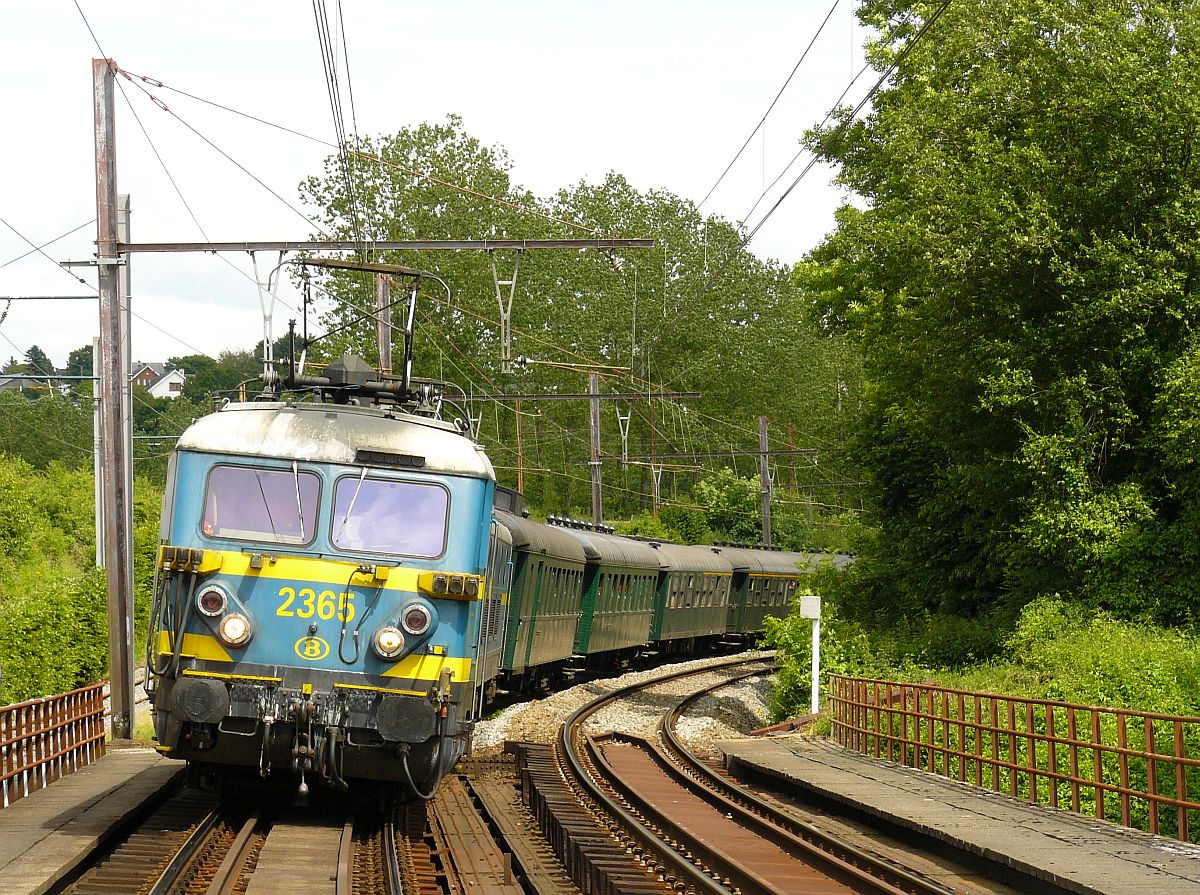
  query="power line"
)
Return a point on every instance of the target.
[
  {"x": 841, "y": 128},
  {"x": 372, "y": 157},
  {"x": 763, "y": 120},
  {"x": 162, "y": 105},
  {"x": 41, "y": 251},
  {"x": 803, "y": 149},
  {"x": 50, "y": 242}
]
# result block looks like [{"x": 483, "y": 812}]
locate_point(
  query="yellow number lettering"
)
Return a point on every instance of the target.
[
  {"x": 283, "y": 607},
  {"x": 310, "y": 598},
  {"x": 325, "y": 605},
  {"x": 346, "y": 607}
]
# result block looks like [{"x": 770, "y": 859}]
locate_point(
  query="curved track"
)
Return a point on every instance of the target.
[{"x": 687, "y": 828}]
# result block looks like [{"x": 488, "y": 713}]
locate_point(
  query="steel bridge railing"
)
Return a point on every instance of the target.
[
  {"x": 1129, "y": 767},
  {"x": 44, "y": 739}
]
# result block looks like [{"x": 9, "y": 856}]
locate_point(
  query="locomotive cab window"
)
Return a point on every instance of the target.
[
  {"x": 388, "y": 516},
  {"x": 249, "y": 503}
]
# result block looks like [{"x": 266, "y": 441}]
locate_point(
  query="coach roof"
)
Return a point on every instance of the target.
[
  {"x": 685, "y": 558},
  {"x": 533, "y": 537}
]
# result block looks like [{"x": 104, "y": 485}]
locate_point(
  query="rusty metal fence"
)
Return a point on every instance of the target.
[
  {"x": 1133, "y": 768},
  {"x": 43, "y": 739}
]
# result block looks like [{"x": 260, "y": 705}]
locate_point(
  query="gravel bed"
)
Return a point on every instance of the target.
[{"x": 731, "y": 712}]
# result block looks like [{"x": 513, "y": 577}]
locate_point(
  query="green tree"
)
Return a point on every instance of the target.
[
  {"x": 38, "y": 363},
  {"x": 79, "y": 361},
  {"x": 45, "y": 430},
  {"x": 218, "y": 377},
  {"x": 742, "y": 341},
  {"x": 1022, "y": 279}
]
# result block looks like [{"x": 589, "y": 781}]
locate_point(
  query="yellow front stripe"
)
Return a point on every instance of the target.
[
  {"x": 425, "y": 667},
  {"x": 198, "y": 646},
  {"x": 320, "y": 571}
]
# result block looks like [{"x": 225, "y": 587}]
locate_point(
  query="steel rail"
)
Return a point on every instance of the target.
[
  {"x": 692, "y": 874},
  {"x": 344, "y": 883},
  {"x": 183, "y": 856},
  {"x": 225, "y": 880},
  {"x": 799, "y": 834},
  {"x": 393, "y": 877}
]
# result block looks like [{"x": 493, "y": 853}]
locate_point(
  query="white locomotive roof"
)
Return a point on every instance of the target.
[{"x": 334, "y": 433}]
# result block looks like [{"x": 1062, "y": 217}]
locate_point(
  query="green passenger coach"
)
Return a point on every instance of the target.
[
  {"x": 545, "y": 604},
  {"x": 693, "y": 594},
  {"x": 618, "y": 593}
]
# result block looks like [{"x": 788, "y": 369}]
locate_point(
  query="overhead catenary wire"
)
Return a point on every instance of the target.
[
  {"x": 164, "y": 107},
  {"x": 46, "y": 244},
  {"x": 846, "y": 122},
  {"x": 325, "y": 38},
  {"x": 423, "y": 175},
  {"x": 762, "y": 121},
  {"x": 545, "y": 341},
  {"x": 829, "y": 114}
]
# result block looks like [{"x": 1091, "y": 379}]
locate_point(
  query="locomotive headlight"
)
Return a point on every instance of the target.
[
  {"x": 388, "y": 642},
  {"x": 234, "y": 630},
  {"x": 212, "y": 601},
  {"x": 416, "y": 619}
]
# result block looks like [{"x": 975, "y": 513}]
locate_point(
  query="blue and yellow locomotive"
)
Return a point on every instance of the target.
[
  {"x": 333, "y": 589},
  {"x": 324, "y": 596}
]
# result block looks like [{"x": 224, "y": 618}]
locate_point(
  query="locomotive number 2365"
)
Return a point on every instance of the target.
[{"x": 306, "y": 602}]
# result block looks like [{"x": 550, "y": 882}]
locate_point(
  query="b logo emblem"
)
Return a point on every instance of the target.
[{"x": 313, "y": 649}]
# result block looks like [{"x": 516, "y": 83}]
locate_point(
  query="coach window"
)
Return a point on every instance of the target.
[
  {"x": 249, "y": 503},
  {"x": 388, "y": 516}
]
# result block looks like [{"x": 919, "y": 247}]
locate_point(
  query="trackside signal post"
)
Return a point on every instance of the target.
[{"x": 810, "y": 607}]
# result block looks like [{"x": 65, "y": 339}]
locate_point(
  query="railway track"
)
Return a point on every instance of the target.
[
  {"x": 594, "y": 812},
  {"x": 629, "y": 816},
  {"x": 195, "y": 844}
]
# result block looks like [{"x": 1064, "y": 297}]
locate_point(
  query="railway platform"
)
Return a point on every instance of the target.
[
  {"x": 45, "y": 836},
  {"x": 1030, "y": 847}
]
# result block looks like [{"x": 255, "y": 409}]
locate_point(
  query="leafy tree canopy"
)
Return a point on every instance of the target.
[
  {"x": 1022, "y": 280},
  {"x": 742, "y": 340}
]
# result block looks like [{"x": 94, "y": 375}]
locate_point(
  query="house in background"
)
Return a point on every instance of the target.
[{"x": 158, "y": 380}]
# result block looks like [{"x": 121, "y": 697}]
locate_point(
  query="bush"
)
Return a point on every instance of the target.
[
  {"x": 53, "y": 612},
  {"x": 845, "y": 649},
  {"x": 55, "y": 638}
]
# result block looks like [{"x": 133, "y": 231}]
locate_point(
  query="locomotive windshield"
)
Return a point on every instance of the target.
[
  {"x": 384, "y": 516},
  {"x": 252, "y": 504}
]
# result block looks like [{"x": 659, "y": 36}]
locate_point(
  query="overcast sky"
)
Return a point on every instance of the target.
[{"x": 662, "y": 92}]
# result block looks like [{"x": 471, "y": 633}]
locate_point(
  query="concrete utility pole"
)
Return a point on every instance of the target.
[
  {"x": 764, "y": 475},
  {"x": 113, "y": 336},
  {"x": 594, "y": 391}
]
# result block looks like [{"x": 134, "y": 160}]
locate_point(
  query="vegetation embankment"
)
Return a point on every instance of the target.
[
  {"x": 1020, "y": 276},
  {"x": 53, "y": 612},
  {"x": 1057, "y": 650}
]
